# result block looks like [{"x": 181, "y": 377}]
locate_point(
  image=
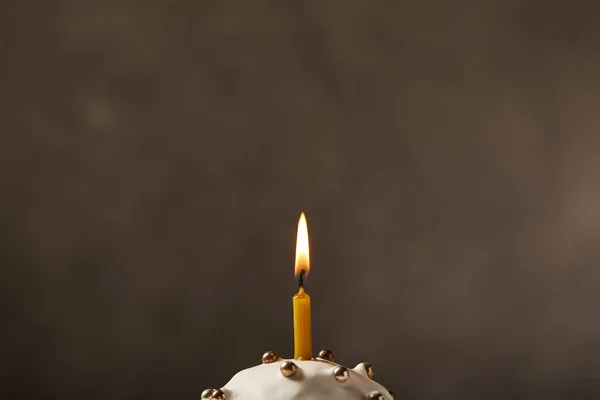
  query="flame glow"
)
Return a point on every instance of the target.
[{"x": 302, "y": 248}]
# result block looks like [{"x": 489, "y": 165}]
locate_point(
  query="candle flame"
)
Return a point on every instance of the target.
[{"x": 302, "y": 248}]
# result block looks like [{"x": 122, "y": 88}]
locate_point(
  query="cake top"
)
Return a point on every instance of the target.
[{"x": 316, "y": 379}]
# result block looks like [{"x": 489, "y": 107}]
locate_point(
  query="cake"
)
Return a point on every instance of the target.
[{"x": 288, "y": 379}]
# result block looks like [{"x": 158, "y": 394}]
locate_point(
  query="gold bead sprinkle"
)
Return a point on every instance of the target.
[
  {"x": 207, "y": 394},
  {"x": 369, "y": 368},
  {"x": 341, "y": 374},
  {"x": 217, "y": 394},
  {"x": 288, "y": 369},
  {"x": 375, "y": 396},
  {"x": 326, "y": 355},
  {"x": 269, "y": 357}
]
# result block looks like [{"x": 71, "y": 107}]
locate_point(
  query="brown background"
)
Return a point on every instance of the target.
[{"x": 155, "y": 157}]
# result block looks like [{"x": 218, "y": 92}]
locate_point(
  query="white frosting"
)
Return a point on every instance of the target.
[{"x": 314, "y": 380}]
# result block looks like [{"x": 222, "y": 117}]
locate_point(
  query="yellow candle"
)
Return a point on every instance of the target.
[
  {"x": 301, "y": 301},
  {"x": 302, "y": 330}
]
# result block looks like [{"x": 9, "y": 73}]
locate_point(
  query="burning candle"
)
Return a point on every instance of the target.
[
  {"x": 302, "y": 377},
  {"x": 301, "y": 301}
]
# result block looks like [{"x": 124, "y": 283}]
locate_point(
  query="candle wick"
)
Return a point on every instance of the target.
[{"x": 301, "y": 279}]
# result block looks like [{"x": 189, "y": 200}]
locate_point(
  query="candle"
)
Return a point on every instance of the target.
[{"x": 301, "y": 301}]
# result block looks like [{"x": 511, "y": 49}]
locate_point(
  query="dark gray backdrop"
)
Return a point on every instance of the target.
[{"x": 156, "y": 155}]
